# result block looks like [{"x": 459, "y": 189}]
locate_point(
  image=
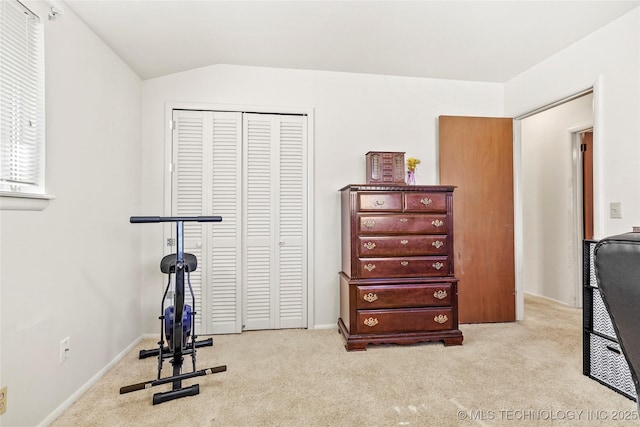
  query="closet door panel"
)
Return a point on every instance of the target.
[
  {"x": 259, "y": 198},
  {"x": 224, "y": 263},
  {"x": 291, "y": 249},
  {"x": 275, "y": 287},
  {"x": 187, "y": 194},
  {"x": 206, "y": 180}
]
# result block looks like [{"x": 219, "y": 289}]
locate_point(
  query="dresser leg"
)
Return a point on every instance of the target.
[
  {"x": 351, "y": 343},
  {"x": 356, "y": 346},
  {"x": 453, "y": 341}
]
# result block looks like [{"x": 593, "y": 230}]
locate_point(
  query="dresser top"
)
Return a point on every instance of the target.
[{"x": 377, "y": 187}]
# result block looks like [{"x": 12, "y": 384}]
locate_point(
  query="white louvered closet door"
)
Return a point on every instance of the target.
[
  {"x": 275, "y": 241},
  {"x": 206, "y": 181}
]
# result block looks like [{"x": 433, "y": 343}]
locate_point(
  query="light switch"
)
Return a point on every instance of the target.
[{"x": 615, "y": 210}]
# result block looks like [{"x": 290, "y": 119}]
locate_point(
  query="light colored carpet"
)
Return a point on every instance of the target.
[{"x": 507, "y": 374}]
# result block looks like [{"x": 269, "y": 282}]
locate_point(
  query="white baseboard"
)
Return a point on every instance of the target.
[
  {"x": 548, "y": 299},
  {"x": 326, "y": 326},
  {"x": 75, "y": 396}
]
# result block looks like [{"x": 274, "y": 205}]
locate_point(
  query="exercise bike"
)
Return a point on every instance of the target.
[{"x": 176, "y": 321}]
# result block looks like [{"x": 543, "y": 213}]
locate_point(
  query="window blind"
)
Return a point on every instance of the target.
[{"x": 21, "y": 99}]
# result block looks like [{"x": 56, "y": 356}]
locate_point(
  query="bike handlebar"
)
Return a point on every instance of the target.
[{"x": 140, "y": 219}]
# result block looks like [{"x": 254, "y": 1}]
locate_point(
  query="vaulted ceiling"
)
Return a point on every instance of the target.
[{"x": 478, "y": 40}]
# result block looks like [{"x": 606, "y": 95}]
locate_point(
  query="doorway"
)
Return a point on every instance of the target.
[{"x": 554, "y": 207}]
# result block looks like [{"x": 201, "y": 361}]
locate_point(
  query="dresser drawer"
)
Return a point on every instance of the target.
[
  {"x": 402, "y": 267},
  {"x": 404, "y": 320},
  {"x": 402, "y": 224},
  {"x": 403, "y": 245},
  {"x": 380, "y": 202},
  {"x": 405, "y": 295},
  {"x": 425, "y": 202}
]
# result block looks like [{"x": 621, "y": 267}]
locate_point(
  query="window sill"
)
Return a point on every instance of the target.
[{"x": 24, "y": 201}]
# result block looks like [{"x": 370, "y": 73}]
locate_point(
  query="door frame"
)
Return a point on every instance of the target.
[
  {"x": 261, "y": 109},
  {"x": 598, "y": 217},
  {"x": 578, "y": 206}
]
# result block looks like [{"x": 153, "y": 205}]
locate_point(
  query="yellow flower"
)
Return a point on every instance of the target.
[{"x": 412, "y": 163}]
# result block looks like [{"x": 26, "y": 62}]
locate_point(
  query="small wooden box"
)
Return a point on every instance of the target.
[{"x": 385, "y": 167}]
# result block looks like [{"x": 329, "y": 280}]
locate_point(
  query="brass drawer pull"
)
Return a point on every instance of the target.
[
  {"x": 437, "y": 265},
  {"x": 372, "y": 321},
  {"x": 380, "y": 202},
  {"x": 404, "y": 242},
  {"x": 440, "y": 294},
  {"x": 437, "y": 223},
  {"x": 404, "y": 263},
  {"x": 370, "y": 267},
  {"x": 440, "y": 318},
  {"x": 437, "y": 244},
  {"x": 370, "y": 297},
  {"x": 369, "y": 245},
  {"x": 403, "y": 220},
  {"x": 426, "y": 201},
  {"x": 368, "y": 223}
]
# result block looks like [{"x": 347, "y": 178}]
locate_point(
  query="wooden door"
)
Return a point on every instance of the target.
[
  {"x": 476, "y": 155},
  {"x": 587, "y": 184}
]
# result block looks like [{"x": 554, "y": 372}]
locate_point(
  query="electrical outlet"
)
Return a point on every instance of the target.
[
  {"x": 3, "y": 400},
  {"x": 65, "y": 349}
]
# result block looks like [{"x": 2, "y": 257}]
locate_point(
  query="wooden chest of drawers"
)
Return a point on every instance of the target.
[{"x": 397, "y": 283}]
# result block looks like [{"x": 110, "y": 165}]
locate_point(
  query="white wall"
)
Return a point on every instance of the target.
[
  {"x": 609, "y": 60},
  {"x": 549, "y": 211},
  {"x": 73, "y": 269},
  {"x": 354, "y": 114}
]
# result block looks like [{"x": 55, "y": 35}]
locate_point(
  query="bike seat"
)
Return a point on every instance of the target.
[{"x": 168, "y": 263}]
